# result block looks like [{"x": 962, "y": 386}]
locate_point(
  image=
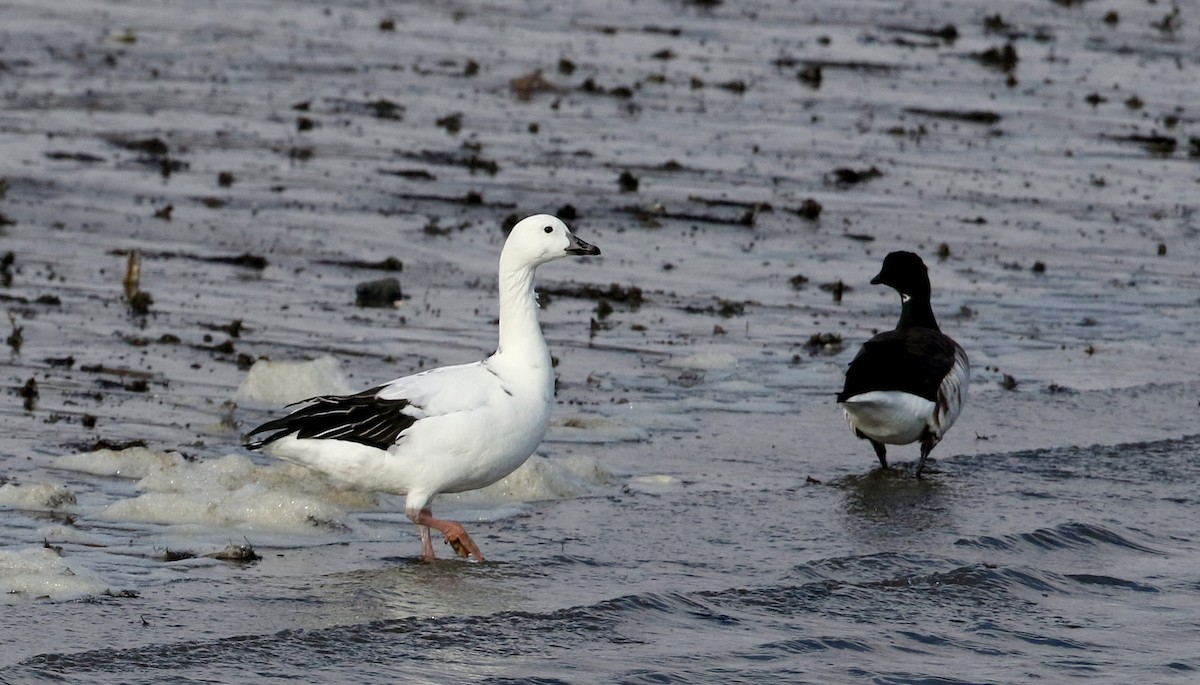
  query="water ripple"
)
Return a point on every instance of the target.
[{"x": 1073, "y": 535}]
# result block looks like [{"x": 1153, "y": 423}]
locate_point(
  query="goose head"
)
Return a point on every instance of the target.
[
  {"x": 905, "y": 272},
  {"x": 542, "y": 238}
]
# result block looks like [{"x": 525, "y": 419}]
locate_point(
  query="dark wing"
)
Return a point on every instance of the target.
[
  {"x": 363, "y": 418},
  {"x": 913, "y": 360}
]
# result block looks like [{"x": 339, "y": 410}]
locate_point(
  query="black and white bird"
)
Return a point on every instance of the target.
[
  {"x": 448, "y": 429},
  {"x": 908, "y": 384}
]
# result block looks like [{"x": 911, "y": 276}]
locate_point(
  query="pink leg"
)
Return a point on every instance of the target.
[
  {"x": 427, "y": 555},
  {"x": 454, "y": 533}
]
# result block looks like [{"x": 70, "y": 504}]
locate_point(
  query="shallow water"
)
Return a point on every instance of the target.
[{"x": 699, "y": 512}]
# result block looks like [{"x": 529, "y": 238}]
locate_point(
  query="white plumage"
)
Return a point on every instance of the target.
[
  {"x": 889, "y": 416},
  {"x": 448, "y": 429}
]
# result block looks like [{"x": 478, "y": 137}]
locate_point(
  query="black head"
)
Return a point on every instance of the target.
[{"x": 905, "y": 272}]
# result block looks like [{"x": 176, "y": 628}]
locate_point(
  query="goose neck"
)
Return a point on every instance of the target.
[
  {"x": 520, "y": 332},
  {"x": 916, "y": 312}
]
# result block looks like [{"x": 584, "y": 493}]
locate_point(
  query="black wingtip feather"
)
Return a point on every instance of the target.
[{"x": 363, "y": 418}]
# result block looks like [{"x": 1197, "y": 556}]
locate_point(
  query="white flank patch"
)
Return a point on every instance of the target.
[{"x": 953, "y": 390}]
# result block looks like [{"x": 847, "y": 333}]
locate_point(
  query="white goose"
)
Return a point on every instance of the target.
[
  {"x": 910, "y": 383},
  {"x": 448, "y": 429}
]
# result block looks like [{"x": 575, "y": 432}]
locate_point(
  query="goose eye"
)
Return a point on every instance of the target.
[{"x": 548, "y": 229}]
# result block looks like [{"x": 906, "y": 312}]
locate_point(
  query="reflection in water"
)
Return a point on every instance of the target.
[
  {"x": 884, "y": 504},
  {"x": 408, "y": 588}
]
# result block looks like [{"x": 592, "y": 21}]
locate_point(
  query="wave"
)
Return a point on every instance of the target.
[
  {"x": 1065, "y": 536},
  {"x": 887, "y": 612},
  {"x": 1167, "y": 462}
]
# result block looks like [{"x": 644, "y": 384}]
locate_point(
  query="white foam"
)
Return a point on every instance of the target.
[
  {"x": 60, "y": 534},
  {"x": 249, "y": 508},
  {"x": 655, "y": 479},
  {"x": 659, "y": 416},
  {"x": 40, "y": 573},
  {"x": 655, "y": 483},
  {"x": 235, "y": 496},
  {"x": 132, "y": 462},
  {"x": 594, "y": 429},
  {"x": 270, "y": 382},
  {"x": 36, "y": 496},
  {"x": 540, "y": 478},
  {"x": 234, "y": 492},
  {"x": 705, "y": 361},
  {"x": 742, "y": 405},
  {"x": 227, "y": 493}
]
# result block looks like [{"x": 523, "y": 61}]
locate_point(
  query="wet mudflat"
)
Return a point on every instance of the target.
[{"x": 699, "y": 512}]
